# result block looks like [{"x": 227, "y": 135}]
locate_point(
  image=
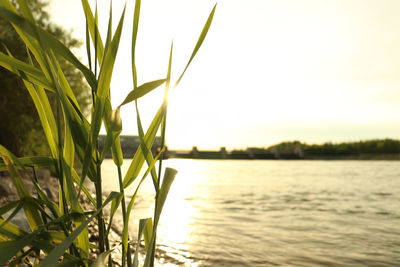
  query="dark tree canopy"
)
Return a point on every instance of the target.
[{"x": 20, "y": 128}]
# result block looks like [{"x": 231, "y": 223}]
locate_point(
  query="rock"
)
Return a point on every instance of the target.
[
  {"x": 19, "y": 219},
  {"x": 44, "y": 174},
  {"x": 3, "y": 192}
]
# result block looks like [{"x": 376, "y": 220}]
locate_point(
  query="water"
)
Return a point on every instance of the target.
[{"x": 277, "y": 213}]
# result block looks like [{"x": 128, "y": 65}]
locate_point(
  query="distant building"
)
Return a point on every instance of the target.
[{"x": 130, "y": 144}]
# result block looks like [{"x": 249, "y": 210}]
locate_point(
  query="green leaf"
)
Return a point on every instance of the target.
[
  {"x": 96, "y": 119},
  {"x": 10, "y": 248},
  {"x": 32, "y": 215},
  {"x": 116, "y": 144},
  {"x": 142, "y": 225},
  {"x": 94, "y": 133},
  {"x": 164, "y": 121},
  {"x": 148, "y": 233},
  {"x": 48, "y": 41},
  {"x": 9, "y": 207},
  {"x": 88, "y": 46},
  {"x": 79, "y": 126},
  {"x": 83, "y": 188},
  {"x": 20, "y": 203},
  {"x": 25, "y": 71},
  {"x": 36, "y": 161},
  {"x": 101, "y": 261},
  {"x": 109, "y": 30},
  {"x": 134, "y": 37},
  {"x": 199, "y": 42},
  {"x": 114, "y": 121},
  {"x": 132, "y": 202},
  {"x": 142, "y": 90},
  {"x": 169, "y": 177},
  {"x": 69, "y": 189},
  {"x": 114, "y": 206},
  {"x": 111, "y": 138},
  {"x": 138, "y": 159},
  {"x": 30, "y": 41},
  {"x": 11, "y": 231},
  {"x": 146, "y": 151},
  {"x": 44, "y": 110},
  {"x": 58, "y": 251},
  {"x": 23, "y": 6},
  {"x": 94, "y": 31},
  {"x": 107, "y": 64}
]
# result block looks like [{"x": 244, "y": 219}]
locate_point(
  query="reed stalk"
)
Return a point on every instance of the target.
[{"x": 63, "y": 236}]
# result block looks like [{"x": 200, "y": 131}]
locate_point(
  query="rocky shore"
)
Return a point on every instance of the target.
[{"x": 50, "y": 185}]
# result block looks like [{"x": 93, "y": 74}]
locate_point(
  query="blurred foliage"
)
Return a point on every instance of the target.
[{"x": 20, "y": 128}]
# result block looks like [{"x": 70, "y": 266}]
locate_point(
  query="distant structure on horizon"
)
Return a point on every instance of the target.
[
  {"x": 129, "y": 145},
  {"x": 249, "y": 153},
  {"x": 370, "y": 149}
]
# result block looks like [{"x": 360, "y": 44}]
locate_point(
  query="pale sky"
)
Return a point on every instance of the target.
[{"x": 268, "y": 71}]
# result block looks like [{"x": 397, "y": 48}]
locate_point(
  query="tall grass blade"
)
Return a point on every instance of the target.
[
  {"x": 114, "y": 207},
  {"x": 36, "y": 161},
  {"x": 146, "y": 151},
  {"x": 142, "y": 90},
  {"x": 44, "y": 110},
  {"x": 109, "y": 29},
  {"x": 9, "y": 207},
  {"x": 58, "y": 251},
  {"x": 50, "y": 42},
  {"x": 148, "y": 233},
  {"x": 19, "y": 203},
  {"x": 68, "y": 160},
  {"x": 46, "y": 116},
  {"x": 23, "y": 6},
  {"x": 138, "y": 159},
  {"x": 134, "y": 37},
  {"x": 107, "y": 64},
  {"x": 142, "y": 225},
  {"x": 116, "y": 144},
  {"x": 101, "y": 261},
  {"x": 164, "y": 122},
  {"x": 79, "y": 126},
  {"x": 10, "y": 248},
  {"x": 111, "y": 139},
  {"x": 76, "y": 179},
  {"x": 132, "y": 202},
  {"x": 31, "y": 42},
  {"x": 32, "y": 215},
  {"x": 22, "y": 163},
  {"x": 88, "y": 50},
  {"x": 96, "y": 35},
  {"x": 199, "y": 42},
  {"x": 169, "y": 177},
  {"x": 25, "y": 71},
  {"x": 94, "y": 31},
  {"x": 11, "y": 231},
  {"x": 94, "y": 133}
]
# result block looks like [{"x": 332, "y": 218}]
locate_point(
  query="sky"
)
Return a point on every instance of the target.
[{"x": 268, "y": 71}]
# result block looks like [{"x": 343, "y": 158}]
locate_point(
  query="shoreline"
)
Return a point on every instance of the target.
[{"x": 49, "y": 185}]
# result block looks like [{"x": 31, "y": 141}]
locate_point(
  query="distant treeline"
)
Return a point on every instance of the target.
[{"x": 372, "y": 147}]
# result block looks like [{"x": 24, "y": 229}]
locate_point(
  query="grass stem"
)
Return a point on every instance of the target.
[{"x": 128, "y": 256}]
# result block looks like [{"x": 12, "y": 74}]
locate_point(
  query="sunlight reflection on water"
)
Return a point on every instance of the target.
[{"x": 264, "y": 213}]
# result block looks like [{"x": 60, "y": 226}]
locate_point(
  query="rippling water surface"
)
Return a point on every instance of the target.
[{"x": 277, "y": 213}]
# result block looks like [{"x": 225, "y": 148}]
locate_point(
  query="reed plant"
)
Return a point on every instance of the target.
[{"x": 59, "y": 229}]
